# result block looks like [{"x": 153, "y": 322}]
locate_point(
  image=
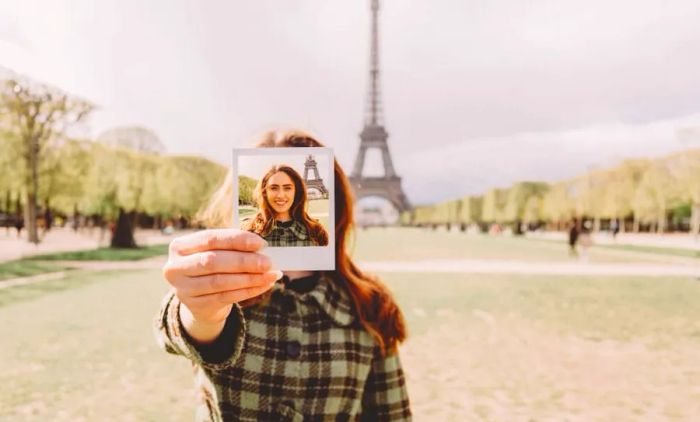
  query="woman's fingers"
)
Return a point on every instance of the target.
[
  {"x": 216, "y": 283},
  {"x": 215, "y": 300},
  {"x": 213, "y": 262},
  {"x": 217, "y": 239}
]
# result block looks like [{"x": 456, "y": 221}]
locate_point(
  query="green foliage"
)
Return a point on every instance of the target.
[
  {"x": 494, "y": 205},
  {"x": 446, "y": 212},
  {"x": 470, "y": 211},
  {"x": 246, "y": 188},
  {"x": 105, "y": 254},
  {"x": 518, "y": 200}
]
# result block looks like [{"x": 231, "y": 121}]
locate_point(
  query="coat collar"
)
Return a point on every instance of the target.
[
  {"x": 297, "y": 228},
  {"x": 332, "y": 297}
]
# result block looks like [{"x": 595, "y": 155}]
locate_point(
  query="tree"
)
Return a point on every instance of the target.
[
  {"x": 687, "y": 169},
  {"x": 656, "y": 194},
  {"x": 470, "y": 212},
  {"x": 517, "y": 200},
  {"x": 37, "y": 113},
  {"x": 133, "y": 176},
  {"x": 621, "y": 188},
  {"x": 494, "y": 205},
  {"x": 557, "y": 204}
]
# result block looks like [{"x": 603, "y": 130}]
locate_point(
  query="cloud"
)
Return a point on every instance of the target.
[{"x": 476, "y": 165}]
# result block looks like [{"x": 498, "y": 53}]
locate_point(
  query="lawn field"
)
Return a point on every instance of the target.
[
  {"x": 480, "y": 347},
  {"x": 406, "y": 244}
]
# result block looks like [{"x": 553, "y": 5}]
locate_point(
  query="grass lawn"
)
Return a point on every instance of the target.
[
  {"x": 481, "y": 347},
  {"x": 25, "y": 268},
  {"x": 661, "y": 250},
  {"x": 406, "y": 244},
  {"x": 105, "y": 254},
  {"x": 86, "y": 352}
]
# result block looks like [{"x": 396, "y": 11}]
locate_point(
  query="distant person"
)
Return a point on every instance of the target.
[
  {"x": 585, "y": 240},
  {"x": 48, "y": 220},
  {"x": 615, "y": 228},
  {"x": 573, "y": 237},
  {"x": 19, "y": 225}
]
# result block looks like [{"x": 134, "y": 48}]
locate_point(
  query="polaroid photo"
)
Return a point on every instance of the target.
[{"x": 286, "y": 195}]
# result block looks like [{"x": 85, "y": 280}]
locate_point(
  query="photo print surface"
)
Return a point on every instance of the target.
[{"x": 285, "y": 195}]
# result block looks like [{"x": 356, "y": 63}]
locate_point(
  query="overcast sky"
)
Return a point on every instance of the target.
[{"x": 477, "y": 93}]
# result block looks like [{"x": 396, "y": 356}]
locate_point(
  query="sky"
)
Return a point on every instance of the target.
[{"x": 476, "y": 93}]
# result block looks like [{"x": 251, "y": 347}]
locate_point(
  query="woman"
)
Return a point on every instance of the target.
[
  {"x": 315, "y": 346},
  {"x": 282, "y": 219}
]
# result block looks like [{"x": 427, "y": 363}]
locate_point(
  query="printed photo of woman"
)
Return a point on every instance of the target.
[{"x": 282, "y": 219}]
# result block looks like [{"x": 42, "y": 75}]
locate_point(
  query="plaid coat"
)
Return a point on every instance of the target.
[
  {"x": 296, "y": 235},
  {"x": 299, "y": 356}
]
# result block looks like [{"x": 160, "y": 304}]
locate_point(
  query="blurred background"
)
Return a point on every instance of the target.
[{"x": 527, "y": 176}]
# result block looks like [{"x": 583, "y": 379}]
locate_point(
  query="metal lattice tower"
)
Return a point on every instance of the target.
[
  {"x": 315, "y": 182},
  {"x": 374, "y": 135}
]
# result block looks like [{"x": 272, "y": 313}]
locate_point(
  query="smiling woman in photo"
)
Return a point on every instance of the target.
[{"x": 282, "y": 219}]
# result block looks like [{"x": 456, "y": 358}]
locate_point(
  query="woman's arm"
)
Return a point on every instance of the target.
[
  {"x": 210, "y": 272},
  {"x": 173, "y": 336},
  {"x": 385, "y": 397}
]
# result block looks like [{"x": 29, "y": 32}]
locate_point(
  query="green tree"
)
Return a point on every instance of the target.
[
  {"x": 517, "y": 201},
  {"x": 494, "y": 204},
  {"x": 656, "y": 194},
  {"x": 37, "y": 114},
  {"x": 470, "y": 212}
]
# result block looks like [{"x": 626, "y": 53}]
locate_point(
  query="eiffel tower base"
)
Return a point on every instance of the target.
[{"x": 388, "y": 188}]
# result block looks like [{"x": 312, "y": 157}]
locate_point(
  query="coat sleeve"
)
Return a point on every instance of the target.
[
  {"x": 385, "y": 397},
  {"x": 172, "y": 337}
]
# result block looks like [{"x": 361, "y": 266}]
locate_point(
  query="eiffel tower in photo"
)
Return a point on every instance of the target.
[
  {"x": 374, "y": 135},
  {"x": 316, "y": 182}
]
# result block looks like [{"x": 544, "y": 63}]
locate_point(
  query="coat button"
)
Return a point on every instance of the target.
[
  {"x": 288, "y": 304},
  {"x": 293, "y": 349}
]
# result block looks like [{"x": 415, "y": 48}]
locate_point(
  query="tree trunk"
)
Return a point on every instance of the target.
[
  {"x": 123, "y": 236},
  {"x": 621, "y": 223},
  {"x": 30, "y": 218},
  {"x": 661, "y": 224},
  {"x": 32, "y": 189},
  {"x": 635, "y": 225},
  {"x": 596, "y": 225}
]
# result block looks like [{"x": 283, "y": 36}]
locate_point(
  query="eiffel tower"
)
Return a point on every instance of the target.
[
  {"x": 374, "y": 135},
  {"x": 316, "y": 182}
]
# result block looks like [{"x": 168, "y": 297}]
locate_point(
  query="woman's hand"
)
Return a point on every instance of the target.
[{"x": 213, "y": 269}]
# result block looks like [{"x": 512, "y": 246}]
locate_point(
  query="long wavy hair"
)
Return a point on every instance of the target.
[
  {"x": 264, "y": 220},
  {"x": 374, "y": 304}
]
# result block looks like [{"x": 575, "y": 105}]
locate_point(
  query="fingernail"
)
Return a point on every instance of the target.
[{"x": 278, "y": 275}]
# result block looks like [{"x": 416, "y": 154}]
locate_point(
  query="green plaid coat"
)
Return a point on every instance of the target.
[
  {"x": 296, "y": 357},
  {"x": 296, "y": 235}
]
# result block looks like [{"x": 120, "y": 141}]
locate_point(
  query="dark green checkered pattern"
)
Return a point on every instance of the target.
[
  {"x": 297, "y": 357},
  {"x": 296, "y": 235}
]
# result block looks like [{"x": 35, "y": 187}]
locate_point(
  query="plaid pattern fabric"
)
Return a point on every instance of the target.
[
  {"x": 297, "y": 357},
  {"x": 295, "y": 235}
]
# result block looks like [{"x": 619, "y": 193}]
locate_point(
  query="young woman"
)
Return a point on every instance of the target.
[
  {"x": 314, "y": 346},
  {"x": 282, "y": 219}
]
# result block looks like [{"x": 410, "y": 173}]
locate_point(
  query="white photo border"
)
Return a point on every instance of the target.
[{"x": 307, "y": 258}]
